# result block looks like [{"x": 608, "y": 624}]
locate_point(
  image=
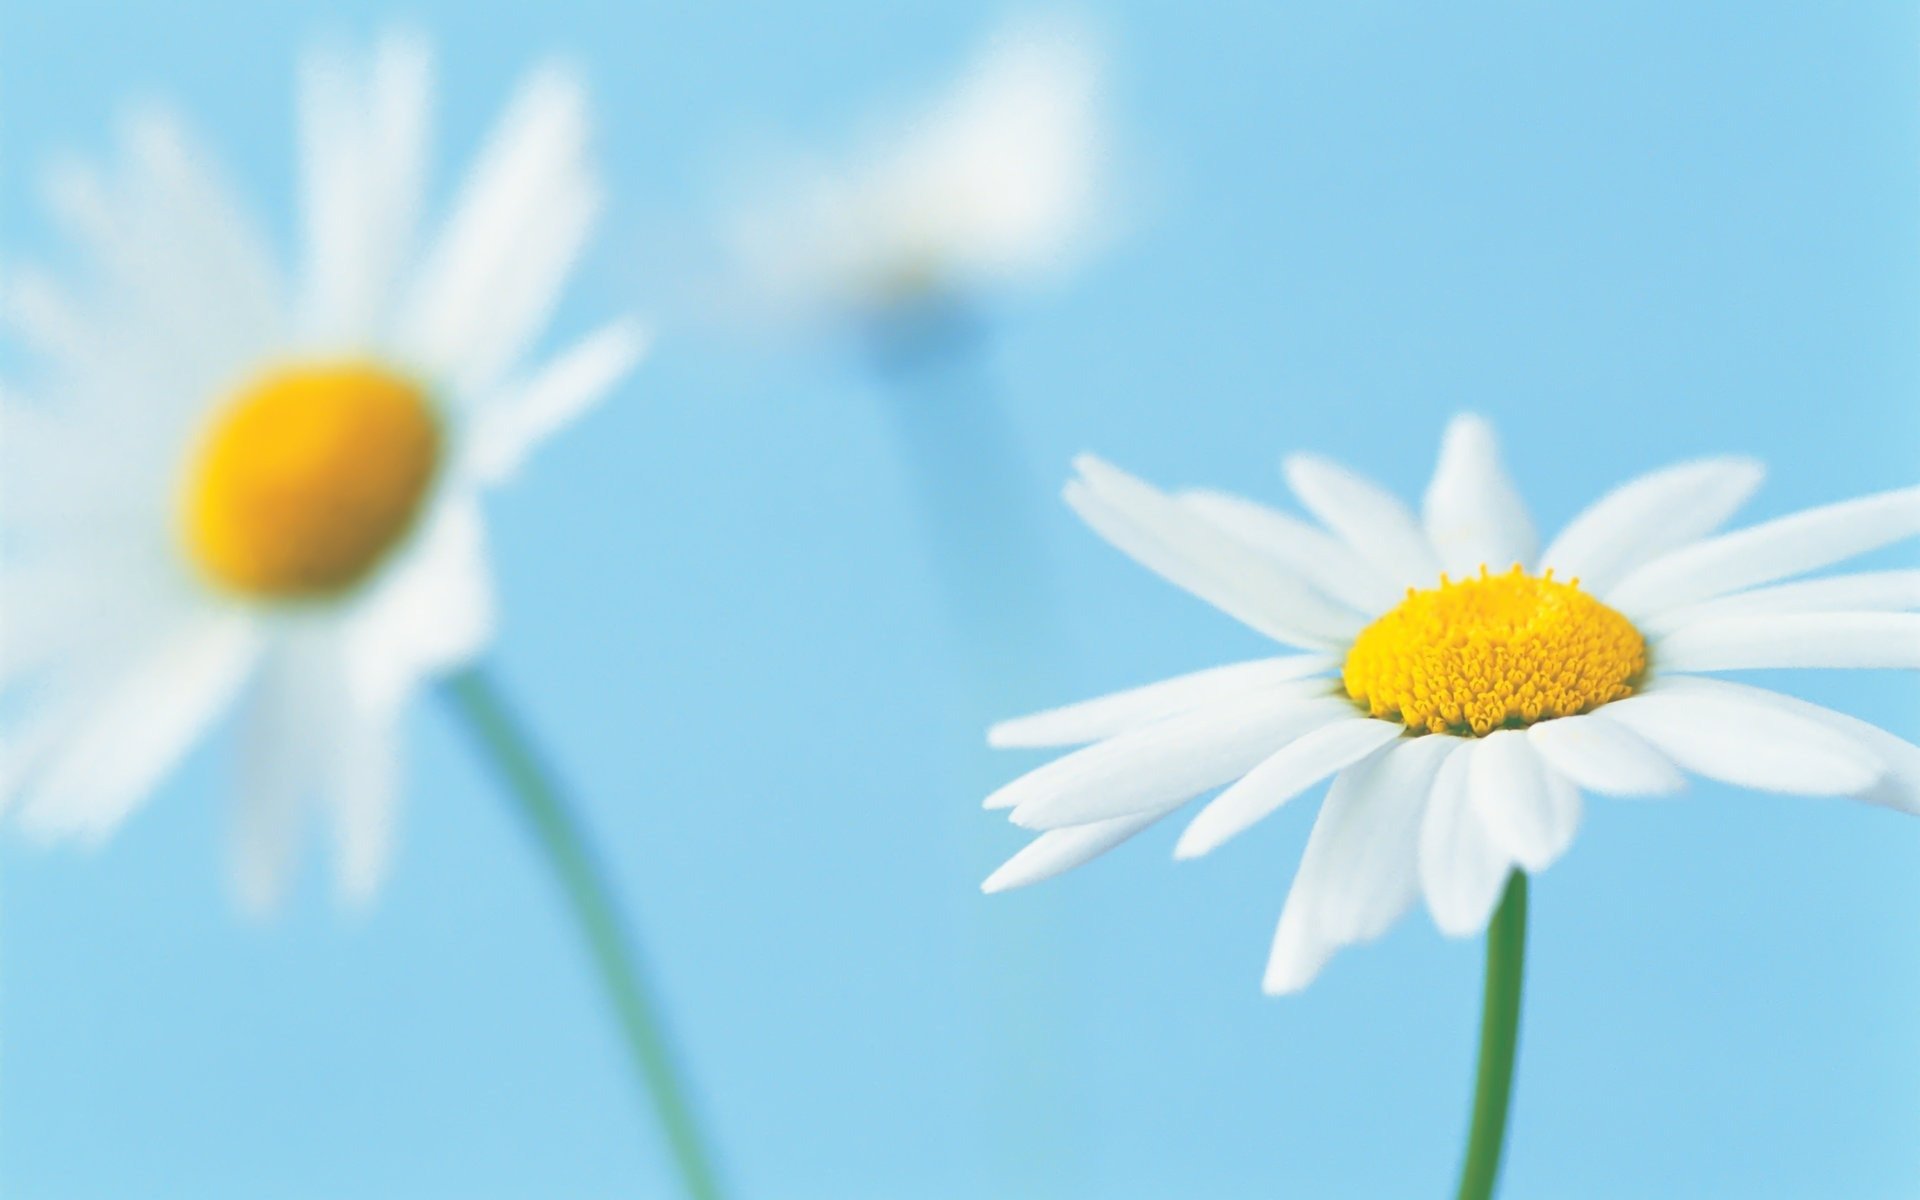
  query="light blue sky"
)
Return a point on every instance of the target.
[{"x": 1628, "y": 233}]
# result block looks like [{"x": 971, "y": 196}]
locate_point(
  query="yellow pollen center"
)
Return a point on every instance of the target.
[
  {"x": 309, "y": 476},
  {"x": 1496, "y": 652}
]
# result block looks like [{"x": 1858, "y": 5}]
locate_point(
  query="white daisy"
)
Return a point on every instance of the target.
[
  {"x": 239, "y": 484},
  {"x": 1462, "y": 687},
  {"x": 999, "y": 182}
]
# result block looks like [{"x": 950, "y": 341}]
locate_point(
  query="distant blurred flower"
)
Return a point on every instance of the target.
[
  {"x": 1461, "y": 705},
  {"x": 1461, "y": 697},
  {"x": 240, "y": 488},
  {"x": 1001, "y": 182}
]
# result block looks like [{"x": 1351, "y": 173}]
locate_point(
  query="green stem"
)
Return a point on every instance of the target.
[
  {"x": 533, "y": 787},
  {"x": 1499, "y": 1034}
]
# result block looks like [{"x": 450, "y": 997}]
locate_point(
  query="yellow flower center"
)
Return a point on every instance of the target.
[
  {"x": 1500, "y": 651},
  {"x": 310, "y": 475}
]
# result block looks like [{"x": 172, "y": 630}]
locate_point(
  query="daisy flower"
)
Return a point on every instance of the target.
[
  {"x": 996, "y": 183},
  {"x": 1462, "y": 687},
  {"x": 242, "y": 483}
]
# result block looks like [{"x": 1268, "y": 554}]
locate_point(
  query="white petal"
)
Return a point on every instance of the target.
[
  {"x": 1118, "y": 712},
  {"x": 285, "y": 743},
  {"x": 1164, "y": 763},
  {"x": 362, "y": 801},
  {"x": 563, "y": 391},
  {"x": 1360, "y": 871},
  {"x": 1473, "y": 513},
  {"x": 1827, "y": 640},
  {"x": 1649, "y": 516},
  {"x": 523, "y": 215},
  {"x": 1863, "y": 591},
  {"x": 1602, "y": 755},
  {"x": 1462, "y": 869},
  {"x": 141, "y": 727},
  {"x": 1292, "y": 770},
  {"x": 1367, "y": 517},
  {"x": 432, "y": 612},
  {"x": 1772, "y": 550},
  {"x": 1315, "y": 555},
  {"x": 1900, "y": 787},
  {"x": 363, "y": 167},
  {"x": 1190, "y": 552},
  {"x": 1531, "y": 812},
  {"x": 1060, "y": 850},
  {"x": 1735, "y": 734}
]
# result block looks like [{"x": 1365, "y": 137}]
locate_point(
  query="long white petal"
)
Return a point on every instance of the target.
[
  {"x": 1791, "y": 545},
  {"x": 1649, "y": 516},
  {"x": 1292, "y": 770},
  {"x": 1899, "y": 788},
  {"x": 565, "y": 389},
  {"x": 1530, "y": 811},
  {"x": 1826, "y": 640},
  {"x": 1604, "y": 756},
  {"x": 1462, "y": 869},
  {"x": 1730, "y": 733},
  {"x": 141, "y": 727},
  {"x": 362, "y": 801},
  {"x": 1315, "y": 555},
  {"x": 1360, "y": 871},
  {"x": 1473, "y": 513},
  {"x": 1060, "y": 850},
  {"x": 522, "y": 216},
  {"x": 1863, "y": 591},
  {"x": 285, "y": 742},
  {"x": 1118, "y": 712},
  {"x": 1370, "y": 519},
  {"x": 1166, "y": 762},
  {"x": 1190, "y": 552}
]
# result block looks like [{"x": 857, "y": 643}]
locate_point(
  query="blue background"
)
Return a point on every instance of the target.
[{"x": 1628, "y": 233}]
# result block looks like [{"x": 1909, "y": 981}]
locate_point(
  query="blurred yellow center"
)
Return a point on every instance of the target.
[
  {"x": 1500, "y": 651},
  {"x": 307, "y": 479}
]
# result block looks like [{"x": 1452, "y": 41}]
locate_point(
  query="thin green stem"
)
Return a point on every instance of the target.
[
  {"x": 1499, "y": 1036},
  {"x": 534, "y": 788}
]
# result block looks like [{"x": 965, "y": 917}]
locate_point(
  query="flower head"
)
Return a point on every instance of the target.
[
  {"x": 998, "y": 182},
  {"x": 242, "y": 485},
  {"x": 1462, "y": 687}
]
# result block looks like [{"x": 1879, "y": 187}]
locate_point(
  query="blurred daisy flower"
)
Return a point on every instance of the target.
[
  {"x": 247, "y": 484},
  {"x": 999, "y": 182},
  {"x": 1462, "y": 687}
]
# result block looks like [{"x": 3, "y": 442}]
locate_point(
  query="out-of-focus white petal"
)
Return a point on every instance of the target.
[
  {"x": 1311, "y": 553},
  {"x": 1735, "y": 734},
  {"x": 1060, "y": 850},
  {"x": 361, "y": 799},
  {"x": 1864, "y": 591},
  {"x": 1192, "y": 553},
  {"x": 432, "y": 611},
  {"x": 1474, "y": 515},
  {"x": 1531, "y": 812},
  {"x": 1462, "y": 868},
  {"x": 1826, "y": 640},
  {"x": 285, "y": 743},
  {"x": 1649, "y": 516},
  {"x": 504, "y": 432},
  {"x": 488, "y": 283},
  {"x": 363, "y": 145},
  {"x": 1166, "y": 762},
  {"x": 1360, "y": 871},
  {"x": 1119, "y": 712},
  {"x": 1602, "y": 755},
  {"x": 1292, "y": 770},
  {"x": 1370, "y": 519},
  {"x": 1790, "y": 545},
  {"x": 140, "y": 727}
]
